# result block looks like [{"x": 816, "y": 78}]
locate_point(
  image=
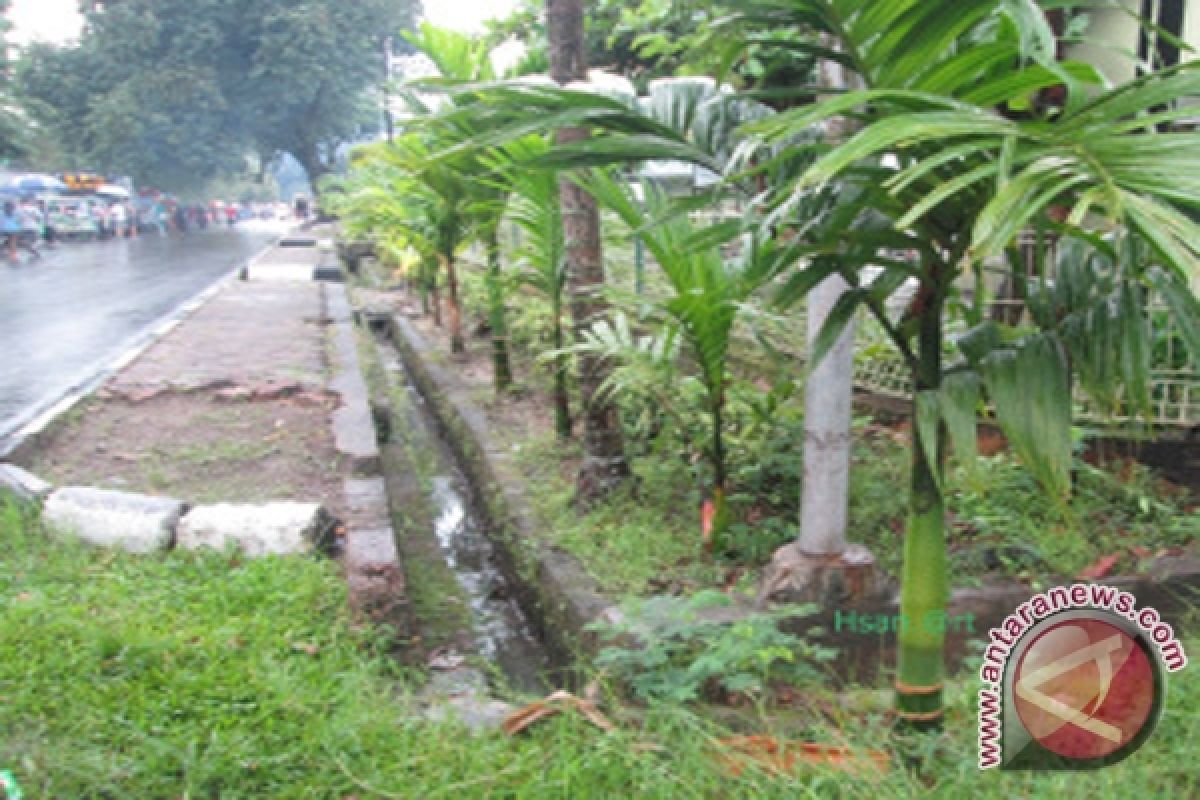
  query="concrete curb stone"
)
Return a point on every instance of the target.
[
  {"x": 372, "y": 562},
  {"x": 135, "y": 522},
  {"x": 22, "y": 486},
  {"x": 353, "y": 427},
  {"x": 283, "y": 528}
]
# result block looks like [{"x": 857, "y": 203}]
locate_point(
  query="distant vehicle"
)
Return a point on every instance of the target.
[{"x": 72, "y": 219}]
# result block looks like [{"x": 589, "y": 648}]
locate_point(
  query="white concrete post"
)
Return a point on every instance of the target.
[{"x": 827, "y": 401}]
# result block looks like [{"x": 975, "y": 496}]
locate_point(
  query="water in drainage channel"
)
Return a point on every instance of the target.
[{"x": 436, "y": 519}]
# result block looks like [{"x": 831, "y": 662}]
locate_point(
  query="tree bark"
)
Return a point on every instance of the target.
[
  {"x": 604, "y": 466},
  {"x": 314, "y": 167},
  {"x": 435, "y": 292}
]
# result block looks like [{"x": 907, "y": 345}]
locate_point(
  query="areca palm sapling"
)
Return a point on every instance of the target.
[
  {"x": 382, "y": 198},
  {"x": 441, "y": 194},
  {"x": 467, "y": 59},
  {"x": 940, "y": 80},
  {"x": 706, "y": 293},
  {"x": 541, "y": 255}
]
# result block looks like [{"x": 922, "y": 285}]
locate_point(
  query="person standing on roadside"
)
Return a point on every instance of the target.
[
  {"x": 17, "y": 228},
  {"x": 49, "y": 232},
  {"x": 116, "y": 217},
  {"x": 160, "y": 217},
  {"x": 10, "y": 228}
]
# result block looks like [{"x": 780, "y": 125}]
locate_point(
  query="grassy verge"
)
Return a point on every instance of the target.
[
  {"x": 1000, "y": 520},
  {"x": 192, "y": 675},
  {"x": 635, "y": 544}
]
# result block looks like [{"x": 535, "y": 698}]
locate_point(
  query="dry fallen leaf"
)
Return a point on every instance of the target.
[
  {"x": 556, "y": 703},
  {"x": 1100, "y": 567},
  {"x": 445, "y": 659},
  {"x": 306, "y": 647}
]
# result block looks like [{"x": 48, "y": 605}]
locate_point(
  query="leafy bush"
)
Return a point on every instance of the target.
[{"x": 675, "y": 649}]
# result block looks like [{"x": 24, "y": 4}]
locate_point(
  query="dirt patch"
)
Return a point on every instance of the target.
[{"x": 218, "y": 444}]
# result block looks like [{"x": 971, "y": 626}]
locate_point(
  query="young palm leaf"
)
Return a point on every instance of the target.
[{"x": 706, "y": 294}]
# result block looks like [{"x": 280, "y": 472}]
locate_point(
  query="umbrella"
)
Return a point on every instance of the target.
[
  {"x": 35, "y": 182},
  {"x": 112, "y": 190}
]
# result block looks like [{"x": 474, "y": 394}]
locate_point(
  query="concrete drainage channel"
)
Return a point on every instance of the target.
[{"x": 470, "y": 626}]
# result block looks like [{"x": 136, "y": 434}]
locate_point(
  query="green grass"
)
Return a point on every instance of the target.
[
  {"x": 1003, "y": 509},
  {"x": 190, "y": 675},
  {"x": 999, "y": 521},
  {"x": 631, "y": 542}
]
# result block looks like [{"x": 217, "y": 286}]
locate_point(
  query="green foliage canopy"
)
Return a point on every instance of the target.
[{"x": 175, "y": 92}]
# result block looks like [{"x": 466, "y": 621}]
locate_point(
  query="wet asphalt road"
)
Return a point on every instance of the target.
[{"x": 68, "y": 315}]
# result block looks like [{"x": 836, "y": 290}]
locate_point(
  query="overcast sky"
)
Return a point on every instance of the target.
[
  {"x": 58, "y": 20},
  {"x": 45, "y": 20}
]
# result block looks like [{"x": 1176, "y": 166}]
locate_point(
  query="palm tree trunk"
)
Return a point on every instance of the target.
[
  {"x": 604, "y": 466},
  {"x": 423, "y": 287},
  {"x": 435, "y": 291},
  {"x": 453, "y": 310},
  {"x": 501, "y": 367},
  {"x": 720, "y": 518},
  {"x": 562, "y": 403},
  {"x": 924, "y": 589}
]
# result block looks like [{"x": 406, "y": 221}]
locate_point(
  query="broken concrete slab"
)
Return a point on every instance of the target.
[
  {"x": 282, "y": 528},
  {"x": 22, "y": 486},
  {"x": 135, "y": 522}
]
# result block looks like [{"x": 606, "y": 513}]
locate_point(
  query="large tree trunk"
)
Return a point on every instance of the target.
[
  {"x": 314, "y": 167},
  {"x": 604, "y": 466}
]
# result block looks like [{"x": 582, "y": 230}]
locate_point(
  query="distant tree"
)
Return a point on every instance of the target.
[
  {"x": 311, "y": 62},
  {"x": 640, "y": 40},
  {"x": 54, "y": 84},
  {"x": 175, "y": 92},
  {"x": 13, "y": 130}
]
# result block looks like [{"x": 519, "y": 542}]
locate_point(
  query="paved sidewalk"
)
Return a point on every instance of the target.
[{"x": 255, "y": 397}]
